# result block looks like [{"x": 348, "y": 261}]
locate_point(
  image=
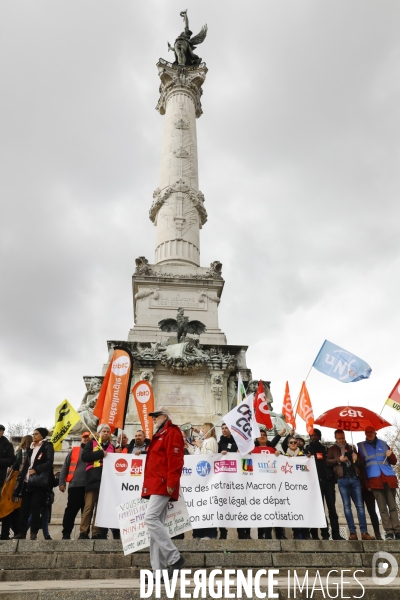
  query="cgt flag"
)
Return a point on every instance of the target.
[
  {"x": 287, "y": 408},
  {"x": 261, "y": 408},
  {"x": 66, "y": 418},
  {"x": 144, "y": 399},
  {"x": 112, "y": 401},
  {"x": 304, "y": 409},
  {"x": 394, "y": 398},
  {"x": 336, "y": 362},
  {"x": 242, "y": 424}
]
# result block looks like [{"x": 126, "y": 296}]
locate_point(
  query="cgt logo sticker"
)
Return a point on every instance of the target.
[
  {"x": 121, "y": 465},
  {"x": 136, "y": 467}
]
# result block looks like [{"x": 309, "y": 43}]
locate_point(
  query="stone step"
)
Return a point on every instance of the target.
[
  {"x": 26, "y": 560},
  {"x": 129, "y": 589}
]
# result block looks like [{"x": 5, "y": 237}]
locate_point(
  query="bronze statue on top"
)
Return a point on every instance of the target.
[
  {"x": 182, "y": 325},
  {"x": 185, "y": 44}
]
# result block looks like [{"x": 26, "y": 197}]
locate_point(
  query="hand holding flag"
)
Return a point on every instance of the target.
[{"x": 242, "y": 424}]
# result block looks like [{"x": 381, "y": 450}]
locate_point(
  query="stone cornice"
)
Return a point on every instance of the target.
[{"x": 175, "y": 78}]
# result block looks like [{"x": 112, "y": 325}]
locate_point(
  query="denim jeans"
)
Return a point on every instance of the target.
[
  {"x": 350, "y": 487},
  {"x": 45, "y": 521}
]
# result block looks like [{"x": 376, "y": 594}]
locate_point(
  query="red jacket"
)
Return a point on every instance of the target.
[{"x": 164, "y": 462}]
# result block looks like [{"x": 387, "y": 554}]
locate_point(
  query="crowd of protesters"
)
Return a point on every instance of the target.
[{"x": 27, "y": 480}]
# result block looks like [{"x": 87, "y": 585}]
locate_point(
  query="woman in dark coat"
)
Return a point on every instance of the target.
[{"x": 34, "y": 481}]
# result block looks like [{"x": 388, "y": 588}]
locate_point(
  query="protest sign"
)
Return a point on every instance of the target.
[
  {"x": 259, "y": 490},
  {"x": 134, "y": 533}
]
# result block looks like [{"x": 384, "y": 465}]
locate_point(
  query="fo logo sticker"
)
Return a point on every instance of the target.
[
  {"x": 120, "y": 366},
  {"x": 203, "y": 468},
  {"x": 136, "y": 467},
  {"x": 121, "y": 465}
]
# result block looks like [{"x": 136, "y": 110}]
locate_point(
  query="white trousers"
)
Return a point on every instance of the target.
[{"x": 162, "y": 550}]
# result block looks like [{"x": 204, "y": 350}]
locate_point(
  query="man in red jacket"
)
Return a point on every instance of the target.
[{"x": 162, "y": 475}]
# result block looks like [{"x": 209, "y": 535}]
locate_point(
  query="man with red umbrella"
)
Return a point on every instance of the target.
[
  {"x": 346, "y": 465},
  {"x": 382, "y": 480}
]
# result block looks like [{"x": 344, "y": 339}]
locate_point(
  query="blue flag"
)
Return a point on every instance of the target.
[{"x": 340, "y": 364}]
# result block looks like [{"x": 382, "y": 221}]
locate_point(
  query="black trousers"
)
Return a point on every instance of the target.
[
  {"x": 328, "y": 494},
  {"x": 33, "y": 502},
  {"x": 265, "y": 533},
  {"x": 76, "y": 502},
  {"x": 11, "y": 521},
  {"x": 369, "y": 500}
]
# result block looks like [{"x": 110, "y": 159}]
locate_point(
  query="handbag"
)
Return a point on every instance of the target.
[{"x": 39, "y": 480}]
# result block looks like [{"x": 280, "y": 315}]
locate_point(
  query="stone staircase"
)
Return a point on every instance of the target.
[{"x": 98, "y": 569}]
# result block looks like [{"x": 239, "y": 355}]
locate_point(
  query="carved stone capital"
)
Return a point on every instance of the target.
[
  {"x": 183, "y": 79},
  {"x": 185, "y": 192}
]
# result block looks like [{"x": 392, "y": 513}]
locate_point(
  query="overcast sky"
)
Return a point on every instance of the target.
[{"x": 298, "y": 160}]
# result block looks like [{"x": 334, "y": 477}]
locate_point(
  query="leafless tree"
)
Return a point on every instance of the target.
[{"x": 21, "y": 428}]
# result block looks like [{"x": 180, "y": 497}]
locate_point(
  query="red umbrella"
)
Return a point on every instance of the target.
[{"x": 351, "y": 418}]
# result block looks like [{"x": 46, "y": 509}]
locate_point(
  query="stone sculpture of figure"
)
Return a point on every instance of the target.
[
  {"x": 185, "y": 44},
  {"x": 85, "y": 410},
  {"x": 231, "y": 392},
  {"x": 182, "y": 325}
]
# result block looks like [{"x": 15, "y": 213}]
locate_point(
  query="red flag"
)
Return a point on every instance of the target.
[
  {"x": 261, "y": 408},
  {"x": 287, "y": 408},
  {"x": 111, "y": 403},
  {"x": 304, "y": 409}
]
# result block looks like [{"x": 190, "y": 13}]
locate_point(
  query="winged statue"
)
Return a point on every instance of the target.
[
  {"x": 182, "y": 325},
  {"x": 185, "y": 44}
]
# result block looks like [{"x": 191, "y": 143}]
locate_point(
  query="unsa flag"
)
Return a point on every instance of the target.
[
  {"x": 305, "y": 410},
  {"x": 261, "y": 408},
  {"x": 287, "y": 408}
]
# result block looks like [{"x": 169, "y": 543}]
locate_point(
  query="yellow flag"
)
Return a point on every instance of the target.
[
  {"x": 393, "y": 404},
  {"x": 66, "y": 419}
]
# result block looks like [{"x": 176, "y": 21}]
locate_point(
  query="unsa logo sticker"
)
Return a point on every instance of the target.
[{"x": 120, "y": 365}]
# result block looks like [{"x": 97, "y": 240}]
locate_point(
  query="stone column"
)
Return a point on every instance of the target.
[{"x": 178, "y": 207}]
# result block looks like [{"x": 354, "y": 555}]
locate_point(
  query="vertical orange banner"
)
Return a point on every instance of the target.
[
  {"x": 110, "y": 405},
  {"x": 144, "y": 399}
]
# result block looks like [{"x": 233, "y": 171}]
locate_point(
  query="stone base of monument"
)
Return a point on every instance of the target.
[{"x": 85, "y": 569}]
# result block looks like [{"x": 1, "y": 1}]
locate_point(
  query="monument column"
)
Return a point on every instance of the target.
[{"x": 178, "y": 207}]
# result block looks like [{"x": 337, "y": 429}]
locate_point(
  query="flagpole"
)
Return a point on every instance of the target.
[
  {"x": 394, "y": 442},
  {"x": 298, "y": 397}
]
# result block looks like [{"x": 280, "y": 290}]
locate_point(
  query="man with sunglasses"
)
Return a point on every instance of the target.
[{"x": 74, "y": 472}]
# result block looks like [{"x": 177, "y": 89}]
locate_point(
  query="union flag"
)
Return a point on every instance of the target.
[
  {"x": 263, "y": 416},
  {"x": 305, "y": 410},
  {"x": 287, "y": 408}
]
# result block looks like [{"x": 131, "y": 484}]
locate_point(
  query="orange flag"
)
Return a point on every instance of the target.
[
  {"x": 111, "y": 403},
  {"x": 305, "y": 410},
  {"x": 287, "y": 408},
  {"x": 144, "y": 399}
]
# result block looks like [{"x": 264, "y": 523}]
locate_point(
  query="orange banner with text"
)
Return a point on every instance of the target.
[
  {"x": 110, "y": 405},
  {"x": 144, "y": 399}
]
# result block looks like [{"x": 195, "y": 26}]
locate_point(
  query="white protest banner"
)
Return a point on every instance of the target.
[
  {"x": 258, "y": 490},
  {"x": 134, "y": 532}
]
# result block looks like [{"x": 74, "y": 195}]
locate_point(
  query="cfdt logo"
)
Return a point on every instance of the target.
[
  {"x": 121, "y": 465},
  {"x": 203, "y": 468},
  {"x": 380, "y": 565},
  {"x": 247, "y": 465},
  {"x": 136, "y": 466}
]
